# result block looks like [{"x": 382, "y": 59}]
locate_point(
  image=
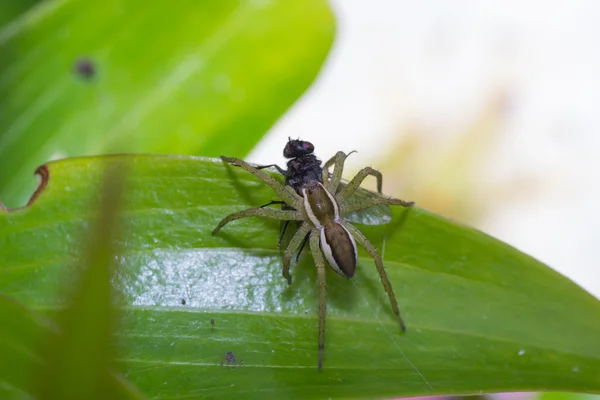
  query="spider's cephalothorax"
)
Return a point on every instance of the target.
[{"x": 320, "y": 208}]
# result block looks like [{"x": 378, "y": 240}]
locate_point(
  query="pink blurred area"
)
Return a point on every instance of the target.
[{"x": 502, "y": 396}]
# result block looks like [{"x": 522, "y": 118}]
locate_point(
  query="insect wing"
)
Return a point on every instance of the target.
[{"x": 377, "y": 215}]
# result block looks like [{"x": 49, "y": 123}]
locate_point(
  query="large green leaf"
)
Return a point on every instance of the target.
[
  {"x": 20, "y": 333},
  {"x": 73, "y": 359},
  {"x": 12, "y": 8},
  {"x": 481, "y": 316},
  {"x": 78, "y": 359},
  {"x": 186, "y": 76}
]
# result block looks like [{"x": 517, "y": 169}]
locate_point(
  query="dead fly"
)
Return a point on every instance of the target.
[
  {"x": 321, "y": 208},
  {"x": 303, "y": 166}
]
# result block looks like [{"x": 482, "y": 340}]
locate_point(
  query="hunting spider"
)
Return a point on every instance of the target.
[{"x": 321, "y": 210}]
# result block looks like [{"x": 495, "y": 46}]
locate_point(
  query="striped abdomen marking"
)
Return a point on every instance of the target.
[{"x": 337, "y": 243}]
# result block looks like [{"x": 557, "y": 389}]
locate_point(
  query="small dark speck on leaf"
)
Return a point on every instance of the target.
[
  {"x": 230, "y": 360},
  {"x": 85, "y": 68}
]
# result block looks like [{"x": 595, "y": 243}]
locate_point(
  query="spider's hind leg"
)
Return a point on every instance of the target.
[
  {"x": 292, "y": 248},
  {"x": 315, "y": 248}
]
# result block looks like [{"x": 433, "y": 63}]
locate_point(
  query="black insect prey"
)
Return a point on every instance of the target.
[{"x": 303, "y": 168}]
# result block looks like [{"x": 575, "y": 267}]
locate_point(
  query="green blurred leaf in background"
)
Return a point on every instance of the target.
[
  {"x": 78, "y": 361},
  {"x": 481, "y": 316},
  {"x": 11, "y": 9},
  {"x": 73, "y": 357},
  {"x": 187, "y": 77}
]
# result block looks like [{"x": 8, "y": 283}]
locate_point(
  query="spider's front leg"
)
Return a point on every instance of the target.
[
  {"x": 283, "y": 215},
  {"x": 286, "y": 193},
  {"x": 366, "y": 203},
  {"x": 358, "y": 180},
  {"x": 349, "y": 208},
  {"x": 277, "y": 167},
  {"x": 338, "y": 168}
]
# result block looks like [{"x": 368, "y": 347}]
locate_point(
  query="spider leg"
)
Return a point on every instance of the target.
[
  {"x": 357, "y": 180},
  {"x": 364, "y": 242},
  {"x": 286, "y": 193},
  {"x": 301, "y": 248},
  {"x": 338, "y": 162},
  {"x": 325, "y": 173},
  {"x": 285, "y": 215},
  {"x": 272, "y": 202},
  {"x": 315, "y": 248},
  {"x": 292, "y": 248},
  {"x": 284, "y": 226},
  {"x": 375, "y": 201},
  {"x": 277, "y": 167}
]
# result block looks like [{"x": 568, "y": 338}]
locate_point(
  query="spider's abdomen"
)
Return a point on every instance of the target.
[{"x": 340, "y": 249}]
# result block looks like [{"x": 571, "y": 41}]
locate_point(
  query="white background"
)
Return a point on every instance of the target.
[{"x": 434, "y": 63}]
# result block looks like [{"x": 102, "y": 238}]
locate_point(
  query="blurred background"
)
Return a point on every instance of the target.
[{"x": 483, "y": 111}]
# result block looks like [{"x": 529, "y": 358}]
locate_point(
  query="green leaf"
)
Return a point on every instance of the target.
[
  {"x": 20, "y": 333},
  {"x": 78, "y": 360},
  {"x": 566, "y": 396},
  {"x": 481, "y": 316},
  {"x": 12, "y": 8},
  {"x": 74, "y": 359},
  {"x": 186, "y": 77}
]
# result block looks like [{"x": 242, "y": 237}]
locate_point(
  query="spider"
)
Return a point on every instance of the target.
[{"x": 321, "y": 209}]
